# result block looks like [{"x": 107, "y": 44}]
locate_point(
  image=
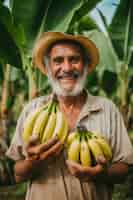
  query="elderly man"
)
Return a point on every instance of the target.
[{"x": 67, "y": 60}]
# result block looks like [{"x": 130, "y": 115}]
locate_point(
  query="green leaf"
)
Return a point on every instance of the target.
[
  {"x": 108, "y": 57},
  {"x": 30, "y": 15},
  {"x": 15, "y": 74},
  {"x": 121, "y": 29},
  {"x": 86, "y": 23},
  {"x": 109, "y": 82},
  {"x": 60, "y": 14},
  {"x": 1, "y": 73},
  {"x": 103, "y": 18},
  {"x": 10, "y": 51},
  {"x": 49, "y": 15}
]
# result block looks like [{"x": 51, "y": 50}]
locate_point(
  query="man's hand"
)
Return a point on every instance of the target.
[
  {"x": 86, "y": 173},
  {"x": 37, "y": 151}
]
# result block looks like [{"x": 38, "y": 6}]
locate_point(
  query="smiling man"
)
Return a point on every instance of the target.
[{"x": 67, "y": 60}]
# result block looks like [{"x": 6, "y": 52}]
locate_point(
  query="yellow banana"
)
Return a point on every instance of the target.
[
  {"x": 29, "y": 123},
  {"x": 85, "y": 156},
  {"x": 105, "y": 148},
  {"x": 48, "y": 131},
  {"x": 95, "y": 148},
  {"x": 74, "y": 150},
  {"x": 60, "y": 123},
  {"x": 40, "y": 123},
  {"x": 70, "y": 138},
  {"x": 65, "y": 132},
  {"x": 96, "y": 134}
]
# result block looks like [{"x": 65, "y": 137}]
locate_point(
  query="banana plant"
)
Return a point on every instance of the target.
[
  {"x": 120, "y": 33},
  {"x": 116, "y": 56}
]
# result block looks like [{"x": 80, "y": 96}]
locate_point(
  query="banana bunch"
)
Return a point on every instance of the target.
[
  {"x": 45, "y": 122},
  {"x": 85, "y": 147}
]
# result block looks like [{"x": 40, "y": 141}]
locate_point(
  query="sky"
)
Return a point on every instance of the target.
[{"x": 108, "y": 8}]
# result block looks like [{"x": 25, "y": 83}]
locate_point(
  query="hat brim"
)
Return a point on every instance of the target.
[{"x": 49, "y": 38}]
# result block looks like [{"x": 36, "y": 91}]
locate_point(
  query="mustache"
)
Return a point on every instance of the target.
[{"x": 72, "y": 74}]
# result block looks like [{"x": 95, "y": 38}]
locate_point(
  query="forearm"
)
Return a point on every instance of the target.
[
  {"x": 114, "y": 174},
  {"x": 117, "y": 172},
  {"x": 25, "y": 169}
]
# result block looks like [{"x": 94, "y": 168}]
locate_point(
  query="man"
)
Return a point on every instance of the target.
[{"x": 67, "y": 60}]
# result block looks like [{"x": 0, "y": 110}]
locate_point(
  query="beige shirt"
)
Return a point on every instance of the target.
[{"x": 55, "y": 181}]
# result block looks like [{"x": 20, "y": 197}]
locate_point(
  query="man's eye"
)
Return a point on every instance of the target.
[
  {"x": 75, "y": 59},
  {"x": 58, "y": 60}
]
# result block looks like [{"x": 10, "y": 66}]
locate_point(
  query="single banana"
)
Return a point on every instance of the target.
[
  {"x": 105, "y": 148},
  {"x": 70, "y": 138},
  {"x": 48, "y": 131},
  {"x": 60, "y": 123},
  {"x": 95, "y": 148},
  {"x": 85, "y": 156},
  {"x": 40, "y": 123},
  {"x": 65, "y": 132},
  {"x": 74, "y": 150},
  {"x": 96, "y": 134},
  {"x": 29, "y": 123}
]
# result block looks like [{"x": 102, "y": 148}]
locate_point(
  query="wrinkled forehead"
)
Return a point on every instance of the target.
[{"x": 73, "y": 44}]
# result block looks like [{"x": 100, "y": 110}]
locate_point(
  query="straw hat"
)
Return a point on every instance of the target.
[{"x": 49, "y": 38}]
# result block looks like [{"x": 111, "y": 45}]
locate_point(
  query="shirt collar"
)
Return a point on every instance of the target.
[{"x": 91, "y": 105}]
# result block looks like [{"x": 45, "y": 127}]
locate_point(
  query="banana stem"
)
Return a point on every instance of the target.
[{"x": 50, "y": 106}]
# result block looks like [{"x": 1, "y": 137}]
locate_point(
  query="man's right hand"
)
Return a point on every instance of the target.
[{"x": 37, "y": 151}]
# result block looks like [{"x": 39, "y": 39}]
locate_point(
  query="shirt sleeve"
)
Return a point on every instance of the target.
[{"x": 121, "y": 145}]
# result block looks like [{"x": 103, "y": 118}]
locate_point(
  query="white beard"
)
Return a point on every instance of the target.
[{"x": 59, "y": 91}]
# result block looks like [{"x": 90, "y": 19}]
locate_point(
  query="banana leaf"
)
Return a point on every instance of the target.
[
  {"x": 121, "y": 31},
  {"x": 108, "y": 57},
  {"x": 49, "y": 15},
  {"x": 10, "y": 51}
]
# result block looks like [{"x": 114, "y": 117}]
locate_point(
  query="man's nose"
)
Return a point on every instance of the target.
[{"x": 67, "y": 65}]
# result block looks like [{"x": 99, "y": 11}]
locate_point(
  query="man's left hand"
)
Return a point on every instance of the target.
[{"x": 86, "y": 173}]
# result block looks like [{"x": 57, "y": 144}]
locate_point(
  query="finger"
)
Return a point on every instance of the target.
[
  {"x": 38, "y": 149},
  {"x": 101, "y": 160},
  {"x": 48, "y": 144},
  {"x": 59, "y": 150},
  {"x": 51, "y": 151},
  {"x": 93, "y": 171},
  {"x": 78, "y": 169},
  {"x": 33, "y": 141},
  {"x": 33, "y": 157},
  {"x": 74, "y": 167},
  {"x": 73, "y": 164}
]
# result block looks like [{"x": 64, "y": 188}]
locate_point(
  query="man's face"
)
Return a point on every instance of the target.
[{"x": 66, "y": 68}]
